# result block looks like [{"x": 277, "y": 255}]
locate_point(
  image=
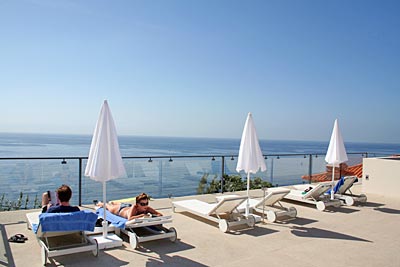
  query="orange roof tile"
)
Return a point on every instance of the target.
[{"x": 355, "y": 170}]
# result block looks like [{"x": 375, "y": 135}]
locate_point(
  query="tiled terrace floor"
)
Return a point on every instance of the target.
[{"x": 366, "y": 235}]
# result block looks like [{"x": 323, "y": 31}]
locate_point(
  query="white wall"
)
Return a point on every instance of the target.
[{"x": 381, "y": 176}]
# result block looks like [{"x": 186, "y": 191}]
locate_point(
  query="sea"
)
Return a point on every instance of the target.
[
  {"x": 160, "y": 166},
  {"x": 58, "y": 145}
]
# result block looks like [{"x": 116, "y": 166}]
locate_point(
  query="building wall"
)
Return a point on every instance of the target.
[{"x": 381, "y": 176}]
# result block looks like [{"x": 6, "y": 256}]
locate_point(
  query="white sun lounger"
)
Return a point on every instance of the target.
[
  {"x": 316, "y": 195},
  {"x": 63, "y": 233},
  {"x": 344, "y": 193},
  {"x": 270, "y": 205},
  {"x": 139, "y": 230},
  {"x": 224, "y": 212}
]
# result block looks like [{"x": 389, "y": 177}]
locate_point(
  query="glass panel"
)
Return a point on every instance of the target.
[
  {"x": 30, "y": 178},
  {"x": 23, "y": 181}
]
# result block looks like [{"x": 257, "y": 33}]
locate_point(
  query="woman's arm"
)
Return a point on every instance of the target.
[
  {"x": 132, "y": 214},
  {"x": 153, "y": 211}
]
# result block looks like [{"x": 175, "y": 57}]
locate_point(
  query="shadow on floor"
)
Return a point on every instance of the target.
[
  {"x": 86, "y": 259},
  {"x": 163, "y": 246},
  {"x": 321, "y": 233},
  {"x": 6, "y": 258},
  {"x": 173, "y": 260},
  {"x": 388, "y": 210},
  {"x": 371, "y": 204},
  {"x": 162, "y": 249},
  {"x": 298, "y": 221}
]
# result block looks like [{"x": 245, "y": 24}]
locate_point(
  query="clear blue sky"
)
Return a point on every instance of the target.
[{"x": 196, "y": 68}]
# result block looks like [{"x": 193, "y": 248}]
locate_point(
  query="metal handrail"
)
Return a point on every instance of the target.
[{"x": 212, "y": 156}]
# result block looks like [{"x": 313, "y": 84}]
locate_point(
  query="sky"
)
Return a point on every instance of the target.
[{"x": 189, "y": 68}]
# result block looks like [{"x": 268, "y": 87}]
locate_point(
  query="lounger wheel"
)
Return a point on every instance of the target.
[
  {"x": 223, "y": 225},
  {"x": 320, "y": 206},
  {"x": 271, "y": 216},
  {"x": 363, "y": 198},
  {"x": 133, "y": 240},
  {"x": 251, "y": 221},
  {"x": 349, "y": 201},
  {"x": 175, "y": 236},
  {"x": 293, "y": 212},
  {"x": 95, "y": 252},
  {"x": 44, "y": 256}
]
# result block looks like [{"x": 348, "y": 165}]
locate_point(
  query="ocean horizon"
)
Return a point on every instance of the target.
[{"x": 78, "y": 145}]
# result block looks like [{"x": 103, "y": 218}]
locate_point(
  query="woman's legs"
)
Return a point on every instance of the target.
[{"x": 112, "y": 207}]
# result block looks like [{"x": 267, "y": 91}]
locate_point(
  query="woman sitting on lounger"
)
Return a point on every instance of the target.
[{"x": 140, "y": 210}]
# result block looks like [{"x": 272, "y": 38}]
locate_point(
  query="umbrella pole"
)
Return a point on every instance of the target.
[
  {"x": 333, "y": 181},
  {"x": 248, "y": 196},
  {"x": 104, "y": 209}
]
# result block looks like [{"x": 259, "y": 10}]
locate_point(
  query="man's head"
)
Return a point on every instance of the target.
[{"x": 64, "y": 193}]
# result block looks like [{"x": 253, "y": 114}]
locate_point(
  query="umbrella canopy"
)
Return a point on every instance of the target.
[
  {"x": 250, "y": 159},
  {"x": 105, "y": 162},
  {"x": 336, "y": 153}
]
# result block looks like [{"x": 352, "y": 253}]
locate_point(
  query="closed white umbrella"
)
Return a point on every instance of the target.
[
  {"x": 336, "y": 153},
  {"x": 250, "y": 158},
  {"x": 105, "y": 162}
]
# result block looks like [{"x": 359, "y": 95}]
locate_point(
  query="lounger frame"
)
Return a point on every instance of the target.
[
  {"x": 316, "y": 196},
  {"x": 345, "y": 195},
  {"x": 271, "y": 206},
  {"x": 49, "y": 251},
  {"x": 132, "y": 230},
  {"x": 224, "y": 213},
  {"x": 138, "y": 230}
]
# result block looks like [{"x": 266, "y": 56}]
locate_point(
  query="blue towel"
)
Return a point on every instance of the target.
[
  {"x": 116, "y": 220},
  {"x": 70, "y": 221},
  {"x": 337, "y": 186}
]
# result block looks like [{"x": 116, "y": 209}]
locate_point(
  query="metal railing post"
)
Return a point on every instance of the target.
[
  {"x": 222, "y": 173},
  {"x": 310, "y": 168},
  {"x": 80, "y": 182}
]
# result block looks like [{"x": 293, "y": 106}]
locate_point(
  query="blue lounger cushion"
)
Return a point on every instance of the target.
[
  {"x": 69, "y": 221},
  {"x": 337, "y": 186},
  {"x": 116, "y": 220}
]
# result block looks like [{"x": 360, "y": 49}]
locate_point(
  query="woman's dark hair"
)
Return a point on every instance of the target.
[{"x": 142, "y": 196}]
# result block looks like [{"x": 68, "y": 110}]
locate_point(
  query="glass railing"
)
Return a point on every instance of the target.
[{"x": 23, "y": 180}]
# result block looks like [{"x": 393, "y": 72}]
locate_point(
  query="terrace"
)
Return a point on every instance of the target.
[{"x": 365, "y": 235}]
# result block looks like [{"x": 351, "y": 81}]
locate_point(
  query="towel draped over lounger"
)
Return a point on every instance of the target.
[{"x": 69, "y": 221}]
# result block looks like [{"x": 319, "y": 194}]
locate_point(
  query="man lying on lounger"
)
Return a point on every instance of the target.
[{"x": 140, "y": 210}]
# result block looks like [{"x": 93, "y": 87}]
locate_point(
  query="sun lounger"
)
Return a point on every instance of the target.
[
  {"x": 343, "y": 192},
  {"x": 224, "y": 212},
  {"x": 313, "y": 194},
  {"x": 270, "y": 205},
  {"x": 63, "y": 233},
  {"x": 140, "y": 230}
]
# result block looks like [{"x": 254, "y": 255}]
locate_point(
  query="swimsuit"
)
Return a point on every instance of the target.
[{"x": 124, "y": 205}]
